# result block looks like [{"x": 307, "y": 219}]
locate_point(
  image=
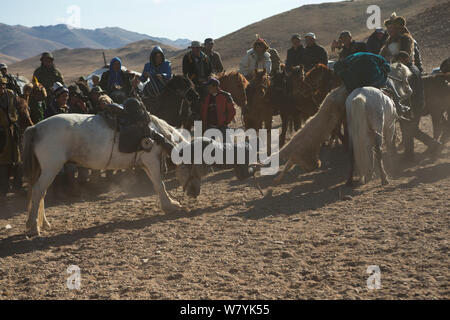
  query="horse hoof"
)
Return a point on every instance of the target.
[
  {"x": 33, "y": 232},
  {"x": 46, "y": 225}
]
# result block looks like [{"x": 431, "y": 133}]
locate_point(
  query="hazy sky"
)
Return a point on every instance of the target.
[{"x": 195, "y": 19}]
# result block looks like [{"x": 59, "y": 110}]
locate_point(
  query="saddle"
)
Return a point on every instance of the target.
[{"x": 132, "y": 124}]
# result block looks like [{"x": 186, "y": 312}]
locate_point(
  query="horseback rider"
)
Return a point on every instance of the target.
[
  {"x": 347, "y": 45},
  {"x": 158, "y": 70},
  {"x": 218, "y": 109},
  {"x": 376, "y": 41},
  {"x": 214, "y": 56},
  {"x": 197, "y": 67},
  {"x": 417, "y": 103},
  {"x": 295, "y": 53},
  {"x": 47, "y": 74},
  {"x": 59, "y": 102},
  {"x": 256, "y": 58},
  {"x": 115, "y": 81},
  {"x": 12, "y": 83},
  {"x": 367, "y": 69},
  {"x": 9, "y": 136},
  {"x": 313, "y": 53}
]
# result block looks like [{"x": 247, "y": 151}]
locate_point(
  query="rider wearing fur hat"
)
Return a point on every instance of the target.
[
  {"x": 400, "y": 38},
  {"x": 256, "y": 58}
]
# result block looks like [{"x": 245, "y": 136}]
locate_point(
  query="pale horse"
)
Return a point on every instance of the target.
[
  {"x": 371, "y": 117},
  {"x": 89, "y": 142}
]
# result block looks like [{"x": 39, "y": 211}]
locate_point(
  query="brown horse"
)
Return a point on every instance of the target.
[
  {"x": 259, "y": 109},
  {"x": 437, "y": 104},
  {"x": 307, "y": 93},
  {"x": 295, "y": 100},
  {"x": 236, "y": 84}
]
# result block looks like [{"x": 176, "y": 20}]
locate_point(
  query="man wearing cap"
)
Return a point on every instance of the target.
[
  {"x": 9, "y": 134},
  {"x": 256, "y": 58},
  {"x": 295, "y": 53},
  {"x": 218, "y": 109},
  {"x": 214, "y": 56},
  {"x": 313, "y": 53},
  {"x": 196, "y": 65},
  {"x": 47, "y": 74},
  {"x": 12, "y": 83},
  {"x": 376, "y": 41},
  {"x": 348, "y": 45},
  {"x": 59, "y": 101}
]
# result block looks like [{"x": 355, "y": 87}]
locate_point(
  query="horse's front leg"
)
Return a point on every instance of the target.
[{"x": 152, "y": 166}]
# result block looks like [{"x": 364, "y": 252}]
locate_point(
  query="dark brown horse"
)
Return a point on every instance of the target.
[
  {"x": 437, "y": 104},
  {"x": 178, "y": 104},
  {"x": 259, "y": 109},
  {"x": 305, "y": 94},
  {"x": 236, "y": 84}
]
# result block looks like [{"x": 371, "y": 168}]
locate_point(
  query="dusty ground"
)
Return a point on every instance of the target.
[{"x": 313, "y": 238}]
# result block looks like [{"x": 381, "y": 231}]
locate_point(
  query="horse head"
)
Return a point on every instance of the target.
[
  {"x": 260, "y": 83},
  {"x": 399, "y": 75},
  {"x": 184, "y": 87}
]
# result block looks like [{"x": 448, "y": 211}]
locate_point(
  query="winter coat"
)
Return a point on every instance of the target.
[
  {"x": 198, "y": 69},
  {"x": 9, "y": 133},
  {"x": 374, "y": 44},
  {"x": 48, "y": 76},
  {"x": 224, "y": 108},
  {"x": 249, "y": 63},
  {"x": 295, "y": 57},
  {"x": 313, "y": 55},
  {"x": 402, "y": 42}
]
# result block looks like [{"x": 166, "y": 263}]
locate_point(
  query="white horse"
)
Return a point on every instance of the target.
[
  {"x": 371, "y": 115},
  {"x": 89, "y": 142}
]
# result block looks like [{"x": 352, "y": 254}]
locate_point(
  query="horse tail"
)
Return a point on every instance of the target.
[
  {"x": 359, "y": 135},
  {"x": 31, "y": 166}
]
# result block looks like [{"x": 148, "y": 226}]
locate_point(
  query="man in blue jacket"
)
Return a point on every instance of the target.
[{"x": 158, "y": 71}]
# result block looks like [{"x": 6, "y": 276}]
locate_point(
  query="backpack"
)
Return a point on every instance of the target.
[{"x": 363, "y": 69}]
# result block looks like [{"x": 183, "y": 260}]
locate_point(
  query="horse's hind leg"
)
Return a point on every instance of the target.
[
  {"x": 378, "y": 158},
  {"x": 36, "y": 217},
  {"x": 287, "y": 167}
]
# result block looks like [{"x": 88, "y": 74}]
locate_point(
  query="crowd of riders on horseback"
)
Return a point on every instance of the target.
[{"x": 359, "y": 64}]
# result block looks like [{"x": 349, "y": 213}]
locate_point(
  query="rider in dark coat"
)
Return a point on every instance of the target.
[
  {"x": 313, "y": 53},
  {"x": 196, "y": 65},
  {"x": 47, "y": 74},
  {"x": 115, "y": 79},
  {"x": 376, "y": 41}
]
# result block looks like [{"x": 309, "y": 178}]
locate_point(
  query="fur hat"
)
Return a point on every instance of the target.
[
  {"x": 260, "y": 40},
  {"x": 395, "y": 20},
  {"x": 3, "y": 80}
]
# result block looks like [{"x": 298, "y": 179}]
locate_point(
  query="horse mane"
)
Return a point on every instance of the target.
[{"x": 167, "y": 130}]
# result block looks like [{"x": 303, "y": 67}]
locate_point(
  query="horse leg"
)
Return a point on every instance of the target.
[
  {"x": 378, "y": 158},
  {"x": 36, "y": 217},
  {"x": 153, "y": 169},
  {"x": 287, "y": 167},
  {"x": 284, "y": 128},
  {"x": 349, "y": 182}
]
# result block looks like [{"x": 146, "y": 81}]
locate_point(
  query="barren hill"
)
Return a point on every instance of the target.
[
  {"x": 76, "y": 62},
  {"x": 427, "y": 20},
  {"x": 327, "y": 20}
]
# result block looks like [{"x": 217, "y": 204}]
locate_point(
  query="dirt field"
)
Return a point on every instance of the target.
[{"x": 312, "y": 238}]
